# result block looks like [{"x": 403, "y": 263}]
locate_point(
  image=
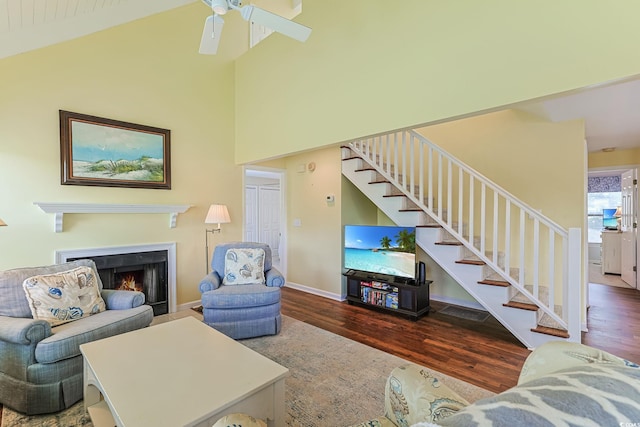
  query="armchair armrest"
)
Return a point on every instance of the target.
[
  {"x": 274, "y": 278},
  {"x": 557, "y": 355},
  {"x": 122, "y": 300},
  {"x": 412, "y": 395},
  {"x": 23, "y": 331},
  {"x": 210, "y": 282}
]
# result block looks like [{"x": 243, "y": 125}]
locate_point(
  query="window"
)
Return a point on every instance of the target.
[{"x": 595, "y": 203}]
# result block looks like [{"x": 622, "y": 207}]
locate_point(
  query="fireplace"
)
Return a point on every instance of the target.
[{"x": 134, "y": 269}]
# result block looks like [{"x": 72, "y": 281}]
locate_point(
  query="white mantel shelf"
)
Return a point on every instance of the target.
[{"x": 59, "y": 209}]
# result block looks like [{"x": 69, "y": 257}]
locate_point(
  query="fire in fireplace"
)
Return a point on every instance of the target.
[{"x": 131, "y": 281}]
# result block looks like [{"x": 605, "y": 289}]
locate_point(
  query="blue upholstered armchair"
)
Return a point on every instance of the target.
[
  {"x": 41, "y": 363},
  {"x": 241, "y": 295}
]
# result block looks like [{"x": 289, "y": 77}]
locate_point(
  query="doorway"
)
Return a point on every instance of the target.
[
  {"x": 265, "y": 212},
  {"x": 612, "y": 243}
]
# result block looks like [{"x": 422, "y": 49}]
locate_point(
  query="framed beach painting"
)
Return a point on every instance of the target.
[{"x": 109, "y": 153}]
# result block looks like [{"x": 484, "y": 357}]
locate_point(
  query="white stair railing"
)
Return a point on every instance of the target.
[{"x": 541, "y": 259}]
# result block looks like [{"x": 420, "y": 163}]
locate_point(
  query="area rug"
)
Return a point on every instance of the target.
[
  {"x": 333, "y": 381},
  {"x": 465, "y": 313}
]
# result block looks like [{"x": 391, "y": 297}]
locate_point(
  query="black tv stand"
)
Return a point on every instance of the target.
[{"x": 388, "y": 293}]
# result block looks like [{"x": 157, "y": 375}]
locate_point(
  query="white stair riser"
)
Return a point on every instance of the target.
[{"x": 518, "y": 322}]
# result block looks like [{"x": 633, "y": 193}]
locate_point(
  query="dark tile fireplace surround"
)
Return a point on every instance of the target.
[{"x": 141, "y": 271}]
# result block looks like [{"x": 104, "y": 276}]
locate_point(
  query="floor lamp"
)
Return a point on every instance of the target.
[{"x": 218, "y": 214}]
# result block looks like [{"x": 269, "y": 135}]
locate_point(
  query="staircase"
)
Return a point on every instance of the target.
[{"x": 521, "y": 266}]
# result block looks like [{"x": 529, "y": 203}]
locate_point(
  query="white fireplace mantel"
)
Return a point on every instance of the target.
[{"x": 59, "y": 209}]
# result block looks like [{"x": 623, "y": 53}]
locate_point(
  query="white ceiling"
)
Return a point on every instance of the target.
[
  {"x": 31, "y": 24},
  {"x": 611, "y": 113}
]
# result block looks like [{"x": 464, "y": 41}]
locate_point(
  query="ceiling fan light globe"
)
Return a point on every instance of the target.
[{"x": 219, "y": 7}]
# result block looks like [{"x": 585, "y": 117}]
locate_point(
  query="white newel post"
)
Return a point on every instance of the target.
[{"x": 574, "y": 285}]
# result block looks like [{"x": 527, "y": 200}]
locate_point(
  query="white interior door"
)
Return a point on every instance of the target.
[
  {"x": 267, "y": 211},
  {"x": 269, "y": 218},
  {"x": 251, "y": 213},
  {"x": 627, "y": 226}
]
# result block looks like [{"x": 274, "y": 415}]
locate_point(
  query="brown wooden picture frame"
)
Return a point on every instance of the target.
[{"x": 95, "y": 151}]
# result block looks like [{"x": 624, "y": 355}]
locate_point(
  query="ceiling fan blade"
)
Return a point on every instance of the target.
[
  {"x": 276, "y": 23},
  {"x": 211, "y": 35}
]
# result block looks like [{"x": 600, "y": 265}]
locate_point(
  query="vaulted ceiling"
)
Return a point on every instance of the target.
[
  {"x": 611, "y": 112},
  {"x": 31, "y": 24}
]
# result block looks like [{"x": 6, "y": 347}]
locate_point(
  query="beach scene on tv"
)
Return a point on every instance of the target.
[{"x": 380, "y": 249}]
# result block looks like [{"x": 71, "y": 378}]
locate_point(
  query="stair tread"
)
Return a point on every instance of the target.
[
  {"x": 470, "y": 262},
  {"x": 351, "y": 158},
  {"x": 521, "y": 305},
  {"x": 394, "y": 195},
  {"x": 383, "y": 181},
  {"x": 364, "y": 170},
  {"x": 491, "y": 282},
  {"x": 551, "y": 331},
  {"x": 434, "y": 225},
  {"x": 410, "y": 210},
  {"x": 449, "y": 243}
]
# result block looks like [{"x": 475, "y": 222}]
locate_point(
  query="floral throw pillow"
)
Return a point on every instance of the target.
[
  {"x": 63, "y": 297},
  {"x": 244, "y": 266}
]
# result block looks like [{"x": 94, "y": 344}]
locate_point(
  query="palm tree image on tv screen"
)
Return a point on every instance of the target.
[{"x": 380, "y": 249}]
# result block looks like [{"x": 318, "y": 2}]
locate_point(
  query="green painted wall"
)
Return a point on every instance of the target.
[{"x": 370, "y": 68}]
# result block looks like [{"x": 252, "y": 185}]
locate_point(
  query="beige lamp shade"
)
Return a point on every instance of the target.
[
  {"x": 618, "y": 212},
  {"x": 2, "y": 223},
  {"x": 218, "y": 214}
]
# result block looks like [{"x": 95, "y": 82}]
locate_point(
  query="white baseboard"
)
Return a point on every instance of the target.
[
  {"x": 188, "y": 305},
  {"x": 315, "y": 291},
  {"x": 459, "y": 302}
]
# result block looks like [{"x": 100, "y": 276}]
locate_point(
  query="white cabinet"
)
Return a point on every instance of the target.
[{"x": 611, "y": 259}]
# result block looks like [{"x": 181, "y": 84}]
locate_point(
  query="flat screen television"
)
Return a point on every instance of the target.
[
  {"x": 609, "y": 221},
  {"x": 387, "y": 250}
]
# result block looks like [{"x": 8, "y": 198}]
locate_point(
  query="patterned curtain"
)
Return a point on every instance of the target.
[{"x": 604, "y": 184}]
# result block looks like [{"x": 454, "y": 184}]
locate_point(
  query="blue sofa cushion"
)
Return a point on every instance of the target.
[
  {"x": 241, "y": 296},
  {"x": 66, "y": 339}
]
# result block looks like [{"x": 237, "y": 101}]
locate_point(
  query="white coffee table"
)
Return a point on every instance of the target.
[{"x": 179, "y": 373}]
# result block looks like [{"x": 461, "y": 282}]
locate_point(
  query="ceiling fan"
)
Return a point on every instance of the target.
[{"x": 214, "y": 23}]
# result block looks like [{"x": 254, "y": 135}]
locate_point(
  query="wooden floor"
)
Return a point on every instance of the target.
[
  {"x": 614, "y": 321},
  {"x": 481, "y": 353}
]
